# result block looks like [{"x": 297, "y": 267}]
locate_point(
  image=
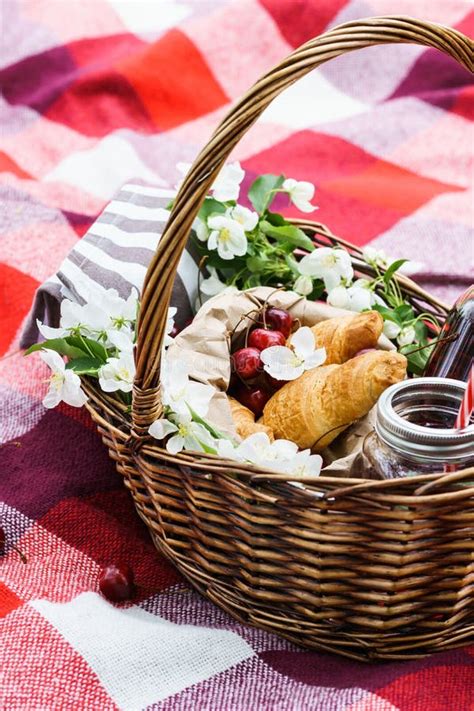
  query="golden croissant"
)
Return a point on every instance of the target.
[
  {"x": 244, "y": 420},
  {"x": 344, "y": 336},
  {"x": 312, "y": 410}
]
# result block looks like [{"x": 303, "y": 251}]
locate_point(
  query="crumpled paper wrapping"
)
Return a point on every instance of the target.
[{"x": 205, "y": 347}]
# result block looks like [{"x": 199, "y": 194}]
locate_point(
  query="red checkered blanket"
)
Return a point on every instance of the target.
[{"x": 99, "y": 93}]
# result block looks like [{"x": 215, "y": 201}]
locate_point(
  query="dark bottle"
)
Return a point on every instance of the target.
[{"x": 453, "y": 359}]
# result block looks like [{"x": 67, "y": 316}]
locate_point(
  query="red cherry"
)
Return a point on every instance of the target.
[
  {"x": 255, "y": 398},
  {"x": 247, "y": 363},
  {"x": 274, "y": 383},
  {"x": 116, "y": 582},
  {"x": 279, "y": 320},
  {"x": 262, "y": 338}
]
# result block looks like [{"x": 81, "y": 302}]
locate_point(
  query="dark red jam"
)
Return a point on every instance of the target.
[{"x": 454, "y": 358}]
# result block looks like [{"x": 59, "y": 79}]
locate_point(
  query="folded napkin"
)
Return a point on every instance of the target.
[{"x": 114, "y": 254}]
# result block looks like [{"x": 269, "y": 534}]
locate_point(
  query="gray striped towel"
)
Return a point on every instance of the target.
[{"x": 114, "y": 254}]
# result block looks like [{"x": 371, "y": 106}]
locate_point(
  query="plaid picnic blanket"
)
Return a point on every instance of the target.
[{"x": 103, "y": 92}]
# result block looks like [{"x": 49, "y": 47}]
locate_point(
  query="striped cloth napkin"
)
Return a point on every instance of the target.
[{"x": 114, "y": 254}]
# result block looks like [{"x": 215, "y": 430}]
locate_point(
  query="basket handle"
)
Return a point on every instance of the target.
[{"x": 162, "y": 269}]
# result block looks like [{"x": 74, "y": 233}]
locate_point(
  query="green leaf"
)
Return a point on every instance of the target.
[
  {"x": 211, "y": 207},
  {"x": 257, "y": 264},
  {"x": 84, "y": 366},
  {"x": 261, "y": 191},
  {"x": 388, "y": 314},
  {"x": 416, "y": 361},
  {"x": 421, "y": 332},
  {"x": 318, "y": 290},
  {"x": 405, "y": 313},
  {"x": 392, "y": 269},
  {"x": 210, "y": 428},
  {"x": 288, "y": 234},
  {"x": 275, "y": 219},
  {"x": 61, "y": 346},
  {"x": 292, "y": 264},
  {"x": 90, "y": 347}
]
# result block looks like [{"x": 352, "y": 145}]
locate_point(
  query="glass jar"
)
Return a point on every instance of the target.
[{"x": 414, "y": 430}]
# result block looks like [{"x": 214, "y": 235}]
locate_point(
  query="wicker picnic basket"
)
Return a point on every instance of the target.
[{"x": 374, "y": 570}]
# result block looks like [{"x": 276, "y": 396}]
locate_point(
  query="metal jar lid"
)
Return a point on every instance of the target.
[{"x": 424, "y": 396}]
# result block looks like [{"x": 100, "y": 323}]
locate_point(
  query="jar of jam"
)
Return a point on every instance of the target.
[
  {"x": 453, "y": 357},
  {"x": 414, "y": 430}
]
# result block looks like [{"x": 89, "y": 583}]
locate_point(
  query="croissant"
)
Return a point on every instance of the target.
[
  {"x": 244, "y": 420},
  {"x": 312, "y": 410},
  {"x": 344, "y": 336}
]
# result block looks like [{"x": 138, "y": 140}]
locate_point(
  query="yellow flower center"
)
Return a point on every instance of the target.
[
  {"x": 329, "y": 260},
  {"x": 183, "y": 430},
  {"x": 224, "y": 235},
  {"x": 123, "y": 374},
  {"x": 57, "y": 381}
]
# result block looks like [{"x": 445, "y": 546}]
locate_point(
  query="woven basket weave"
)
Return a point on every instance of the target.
[{"x": 374, "y": 570}]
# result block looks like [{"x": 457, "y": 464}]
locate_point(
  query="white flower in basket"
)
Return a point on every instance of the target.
[
  {"x": 64, "y": 384},
  {"x": 285, "y": 363}
]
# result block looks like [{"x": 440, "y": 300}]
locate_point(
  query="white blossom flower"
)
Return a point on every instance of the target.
[
  {"x": 303, "y": 285},
  {"x": 247, "y": 218},
  {"x": 406, "y": 336},
  {"x": 188, "y": 434},
  {"x": 391, "y": 329},
  {"x": 357, "y": 297},
  {"x": 179, "y": 393},
  {"x": 379, "y": 258},
  {"x": 282, "y": 455},
  {"x": 301, "y": 193},
  {"x": 201, "y": 229},
  {"x": 64, "y": 384},
  {"x": 375, "y": 256},
  {"x": 118, "y": 373},
  {"x": 258, "y": 449},
  {"x": 123, "y": 339},
  {"x": 301, "y": 464},
  {"x": 353, "y": 298},
  {"x": 332, "y": 265},
  {"x": 73, "y": 317},
  {"x": 227, "y": 184},
  {"x": 285, "y": 363},
  {"x": 212, "y": 285},
  {"x": 227, "y": 450},
  {"x": 227, "y": 236}
]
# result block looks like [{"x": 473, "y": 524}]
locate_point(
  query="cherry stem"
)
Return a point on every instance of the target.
[
  {"x": 23, "y": 557},
  {"x": 447, "y": 339},
  {"x": 339, "y": 427}
]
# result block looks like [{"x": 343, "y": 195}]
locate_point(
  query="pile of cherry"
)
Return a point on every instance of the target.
[{"x": 250, "y": 385}]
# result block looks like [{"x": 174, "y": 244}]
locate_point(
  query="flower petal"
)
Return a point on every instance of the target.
[
  {"x": 53, "y": 360},
  {"x": 49, "y": 331},
  {"x": 318, "y": 357},
  {"x": 303, "y": 342},
  {"x": 52, "y": 398},
  {"x": 162, "y": 428},
  {"x": 175, "y": 444}
]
